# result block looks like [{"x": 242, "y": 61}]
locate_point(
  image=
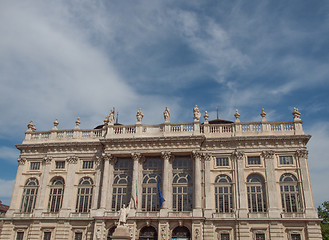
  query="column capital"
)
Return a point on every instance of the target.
[
  {"x": 207, "y": 156},
  {"x": 138, "y": 157},
  {"x": 238, "y": 155},
  {"x": 196, "y": 154},
  {"x": 109, "y": 157},
  {"x": 166, "y": 155},
  {"x": 47, "y": 160},
  {"x": 21, "y": 161},
  {"x": 268, "y": 154},
  {"x": 72, "y": 159},
  {"x": 302, "y": 153}
]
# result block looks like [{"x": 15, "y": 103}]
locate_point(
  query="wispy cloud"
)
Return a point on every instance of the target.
[{"x": 9, "y": 154}]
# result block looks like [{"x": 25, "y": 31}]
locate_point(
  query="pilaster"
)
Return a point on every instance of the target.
[
  {"x": 242, "y": 208},
  {"x": 98, "y": 165},
  {"x": 207, "y": 189},
  {"x": 69, "y": 192},
  {"x": 197, "y": 211},
  {"x": 166, "y": 183},
  {"x": 44, "y": 181},
  {"x": 15, "y": 198},
  {"x": 273, "y": 196},
  {"x": 137, "y": 158},
  {"x": 306, "y": 183}
]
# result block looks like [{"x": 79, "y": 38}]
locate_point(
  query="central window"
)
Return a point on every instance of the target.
[
  {"x": 123, "y": 171},
  {"x": 182, "y": 184},
  {"x": 85, "y": 194},
  {"x": 256, "y": 193},
  {"x": 152, "y": 169},
  {"x": 223, "y": 194},
  {"x": 56, "y": 195}
]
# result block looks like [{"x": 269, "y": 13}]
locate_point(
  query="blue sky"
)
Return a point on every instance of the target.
[{"x": 63, "y": 59}]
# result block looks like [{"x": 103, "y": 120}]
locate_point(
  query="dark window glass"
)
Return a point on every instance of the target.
[
  {"x": 224, "y": 236},
  {"x": 260, "y": 236},
  {"x": 286, "y": 160},
  {"x": 222, "y": 162},
  {"x": 253, "y": 160},
  {"x": 88, "y": 164},
  {"x": 78, "y": 236},
  {"x": 295, "y": 236},
  {"x": 35, "y": 166},
  {"x": 20, "y": 236},
  {"x": 60, "y": 165},
  {"x": 46, "y": 235}
]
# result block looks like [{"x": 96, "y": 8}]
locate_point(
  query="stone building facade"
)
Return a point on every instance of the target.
[{"x": 211, "y": 180}]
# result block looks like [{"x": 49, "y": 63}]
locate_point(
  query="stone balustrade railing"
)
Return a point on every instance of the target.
[{"x": 168, "y": 129}]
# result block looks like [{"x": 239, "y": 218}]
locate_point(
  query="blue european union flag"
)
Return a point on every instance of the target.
[{"x": 161, "y": 199}]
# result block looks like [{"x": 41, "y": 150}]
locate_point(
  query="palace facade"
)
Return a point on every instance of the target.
[{"x": 212, "y": 180}]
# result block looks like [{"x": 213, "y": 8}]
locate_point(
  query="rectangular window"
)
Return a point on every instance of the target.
[
  {"x": 88, "y": 164},
  {"x": 224, "y": 236},
  {"x": 20, "y": 236},
  {"x": 47, "y": 236},
  {"x": 60, "y": 165},
  {"x": 295, "y": 236},
  {"x": 253, "y": 160},
  {"x": 260, "y": 236},
  {"x": 35, "y": 166},
  {"x": 222, "y": 162},
  {"x": 78, "y": 236},
  {"x": 286, "y": 160}
]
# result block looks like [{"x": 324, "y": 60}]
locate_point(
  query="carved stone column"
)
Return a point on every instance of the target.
[
  {"x": 137, "y": 158},
  {"x": 273, "y": 195},
  {"x": 306, "y": 183},
  {"x": 16, "y": 198},
  {"x": 197, "y": 211},
  {"x": 241, "y": 194},
  {"x": 166, "y": 181},
  {"x": 207, "y": 188},
  {"x": 69, "y": 192},
  {"x": 112, "y": 161},
  {"x": 44, "y": 181},
  {"x": 163, "y": 233}
]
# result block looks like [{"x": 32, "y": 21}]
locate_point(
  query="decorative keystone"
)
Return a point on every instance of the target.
[{"x": 237, "y": 115}]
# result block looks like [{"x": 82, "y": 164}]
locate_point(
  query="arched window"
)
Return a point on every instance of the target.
[
  {"x": 148, "y": 233},
  {"x": 85, "y": 195},
  {"x": 152, "y": 168},
  {"x": 122, "y": 183},
  {"x": 223, "y": 194},
  {"x": 56, "y": 195},
  {"x": 181, "y": 233},
  {"x": 30, "y": 193},
  {"x": 256, "y": 193},
  {"x": 182, "y": 184},
  {"x": 289, "y": 193}
]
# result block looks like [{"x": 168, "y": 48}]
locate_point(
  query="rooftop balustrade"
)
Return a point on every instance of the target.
[{"x": 167, "y": 130}]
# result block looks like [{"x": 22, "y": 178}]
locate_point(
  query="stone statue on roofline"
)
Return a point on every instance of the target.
[
  {"x": 166, "y": 115},
  {"x": 196, "y": 114},
  {"x": 111, "y": 117},
  {"x": 139, "y": 116}
]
